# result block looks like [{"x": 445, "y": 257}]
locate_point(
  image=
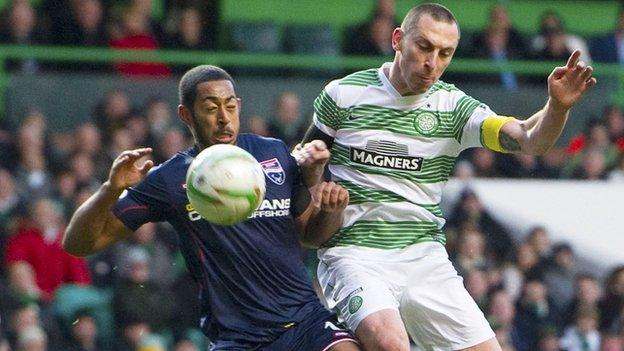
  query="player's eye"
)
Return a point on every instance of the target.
[{"x": 231, "y": 107}]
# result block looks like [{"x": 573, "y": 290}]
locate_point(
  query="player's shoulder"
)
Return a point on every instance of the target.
[
  {"x": 260, "y": 140},
  {"x": 256, "y": 143},
  {"x": 362, "y": 78},
  {"x": 181, "y": 159},
  {"x": 441, "y": 86}
]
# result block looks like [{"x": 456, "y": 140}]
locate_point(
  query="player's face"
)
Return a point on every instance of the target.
[
  {"x": 215, "y": 116},
  {"x": 424, "y": 53}
]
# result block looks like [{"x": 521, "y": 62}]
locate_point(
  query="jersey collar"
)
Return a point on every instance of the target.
[{"x": 408, "y": 99}]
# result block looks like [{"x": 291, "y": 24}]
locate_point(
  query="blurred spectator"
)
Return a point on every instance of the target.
[
  {"x": 470, "y": 252},
  {"x": 583, "y": 335},
  {"x": 139, "y": 129},
  {"x": 524, "y": 267},
  {"x": 121, "y": 139},
  {"x": 84, "y": 170},
  {"x": 595, "y": 139},
  {"x": 586, "y": 293},
  {"x": 39, "y": 244},
  {"x": 534, "y": 312},
  {"x": 32, "y": 338},
  {"x": 484, "y": 162},
  {"x": 548, "y": 339},
  {"x": 23, "y": 284},
  {"x": 22, "y": 318},
  {"x": 501, "y": 311},
  {"x": 32, "y": 174},
  {"x": 257, "y": 125},
  {"x": 559, "y": 275},
  {"x": 190, "y": 32},
  {"x": 613, "y": 117},
  {"x": 88, "y": 140},
  {"x": 138, "y": 300},
  {"x": 134, "y": 32},
  {"x": 84, "y": 332},
  {"x": 19, "y": 26},
  {"x": 554, "y": 43},
  {"x": 612, "y": 342},
  {"x": 85, "y": 25},
  {"x": 287, "y": 123},
  {"x": 11, "y": 205},
  {"x": 469, "y": 209},
  {"x": 593, "y": 166},
  {"x": 500, "y": 42},
  {"x": 608, "y": 130},
  {"x": 464, "y": 170},
  {"x": 159, "y": 117},
  {"x": 185, "y": 345},
  {"x": 130, "y": 335},
  {"x": 539, "y": 240},
  {"x": 158, "y": 256},
  {"x": 610, "y": 48},
  {"x": 373, "y": 37},
  {"x": 112, "y": 112},
  {"x": 612, "y": 304},
  {"x": 476, "y": 284},
  {"x": 174, "y": 140},
  {"x": 524, "y": 166}
]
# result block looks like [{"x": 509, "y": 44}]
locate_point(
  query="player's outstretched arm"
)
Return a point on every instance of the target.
[
  {"x": 536, "y": 135},
  {"x": 323, "y": 218},
  {"x": 93, "y": 226}
]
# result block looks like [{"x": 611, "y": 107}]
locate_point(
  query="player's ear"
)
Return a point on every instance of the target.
[
  {"x": 185, "y": 114},
  {"x": 397, "y": 35}
]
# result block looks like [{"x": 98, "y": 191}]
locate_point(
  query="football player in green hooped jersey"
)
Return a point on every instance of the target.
[{"x": 394, "y": 133}]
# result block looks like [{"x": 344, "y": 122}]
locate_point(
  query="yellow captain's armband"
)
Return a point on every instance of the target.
[{"x": 490, "y": 128}]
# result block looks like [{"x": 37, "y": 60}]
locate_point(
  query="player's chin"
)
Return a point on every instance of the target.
[{"x": 224, "y": 139}]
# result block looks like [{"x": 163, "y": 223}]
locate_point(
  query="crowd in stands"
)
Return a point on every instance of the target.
[
  {"x": 138, "y": 294},
  {"x": 191, "y": 25}
]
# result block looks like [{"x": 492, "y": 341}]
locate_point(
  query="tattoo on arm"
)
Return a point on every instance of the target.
[{"x": 508, "y": 142}]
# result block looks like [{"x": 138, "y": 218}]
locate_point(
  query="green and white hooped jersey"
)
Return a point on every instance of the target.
[{"x": 394, "y": 154}]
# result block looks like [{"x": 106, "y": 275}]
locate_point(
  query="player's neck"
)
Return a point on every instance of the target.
[{"x": 393, "y": 73}]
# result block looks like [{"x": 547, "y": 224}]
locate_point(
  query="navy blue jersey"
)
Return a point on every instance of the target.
[{"x": 254, "y": 285}]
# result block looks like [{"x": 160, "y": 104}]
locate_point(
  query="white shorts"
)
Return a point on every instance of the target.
[{"x": 418, "y": 281}]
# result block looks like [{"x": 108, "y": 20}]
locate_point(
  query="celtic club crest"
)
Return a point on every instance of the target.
[
  {"x": 355, "y": 302},
  {"x": 426, "y": 123}
]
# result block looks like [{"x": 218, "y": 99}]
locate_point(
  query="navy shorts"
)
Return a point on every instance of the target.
[{"x": 318, "y": 332}]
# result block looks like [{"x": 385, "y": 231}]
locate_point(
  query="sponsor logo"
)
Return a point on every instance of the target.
[
  {"x": 352, "y": 116},
  {"x": 398, "y": 162},
  {"x": 274, "y": 171},
  {"x": 272, "y": 208},
  {"x": 355, "y": 302},
  {"x": 426, "y": 123}
]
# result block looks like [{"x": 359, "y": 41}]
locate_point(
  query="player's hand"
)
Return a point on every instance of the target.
[
  {"x": 330, "y": 197},
  {"x": 567, "y": 84},
  {"x": 126, "y": 171},
  {"x": 311, "y": 154}
]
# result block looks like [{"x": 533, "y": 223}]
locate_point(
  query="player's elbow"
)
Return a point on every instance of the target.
[{"x": 73, "y": 248}]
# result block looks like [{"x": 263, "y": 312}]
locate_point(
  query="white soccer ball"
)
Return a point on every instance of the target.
[{"x": 225, "y": 184}]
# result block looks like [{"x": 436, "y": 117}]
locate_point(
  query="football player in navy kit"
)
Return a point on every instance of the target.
[{"x": 255, "y": 292}]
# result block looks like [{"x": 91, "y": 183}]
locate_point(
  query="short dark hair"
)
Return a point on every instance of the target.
[
  {"x": 187, "y": 90},
  {"x": 436, "y": 11}
]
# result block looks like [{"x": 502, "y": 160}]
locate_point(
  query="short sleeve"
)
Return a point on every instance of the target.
[
  {"x": 327, "y": 114},
  {"x": 145, "y": 202},
  {"x": 471, "y": 113}
]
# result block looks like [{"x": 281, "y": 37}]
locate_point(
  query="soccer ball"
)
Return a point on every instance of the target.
[{"x": 225, "y": 184}]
